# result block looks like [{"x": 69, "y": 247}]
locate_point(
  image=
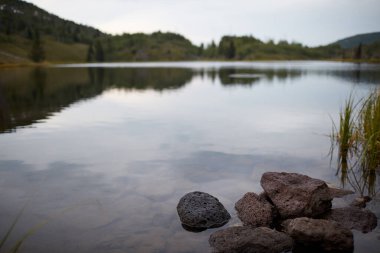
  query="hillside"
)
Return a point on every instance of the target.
[
  {"x": 355, "y": 41},
  {"x": 61, "y": 40},
  {"x": 16, "y": 49},
  {"x": 23, "y": 19},
  {"x": 28, "y": 33}
]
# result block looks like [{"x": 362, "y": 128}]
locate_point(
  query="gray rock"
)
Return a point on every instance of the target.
[
  {"x": 319, "y": 235},
  {"x": 250, "y": 240},
  {"x": 296, "y": 195},
  {"x": 339, "y": 193},
  {"x": 353, "y": 218},
  {"x": 254, "y": 210},
  {"x": 201, "y": 210}
]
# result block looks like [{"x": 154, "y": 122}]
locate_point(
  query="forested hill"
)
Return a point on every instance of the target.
[
  {"x": 147, "y": 47},
  {"x": 30, "y": 34},
  {"x": 355, "y": 41},
  {"x": 24, "y": 24},
  {"x": 23, "y": 19}
]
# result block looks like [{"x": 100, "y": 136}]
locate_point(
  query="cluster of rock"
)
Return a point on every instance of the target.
[{"x": 293, "y": 213}]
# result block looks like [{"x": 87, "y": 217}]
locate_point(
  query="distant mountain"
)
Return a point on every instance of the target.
[{"x": 354, "y": 41}]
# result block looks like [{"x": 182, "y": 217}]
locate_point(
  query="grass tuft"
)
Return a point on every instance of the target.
[{"x": 358, "y": 142}]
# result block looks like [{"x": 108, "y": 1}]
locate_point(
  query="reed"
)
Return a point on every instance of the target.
[
  {"x": 370, "y": 131},
  {"x": 358, "y": 142},
  {"x": 10, "y": 229},
  {"x": 15, "y": 247}
]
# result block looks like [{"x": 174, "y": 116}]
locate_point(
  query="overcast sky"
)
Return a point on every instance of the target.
[{"x": 311, "y": 22}]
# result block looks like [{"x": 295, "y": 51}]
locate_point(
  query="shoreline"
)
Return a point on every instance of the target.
[{"x": 48, "y": 64}]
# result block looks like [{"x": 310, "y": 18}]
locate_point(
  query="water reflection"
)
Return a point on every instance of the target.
[
  {"x": 131, "y": 210},
  {"x": 250, "y": 77},
  {"x": 30, "y": 95},
  {"x": 360, "y": 75},
  {"x": 120, "y": 144}
]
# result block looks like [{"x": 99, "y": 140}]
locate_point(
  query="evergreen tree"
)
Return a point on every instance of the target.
[
  {"x": 213, "y": 48},
  {"x": 90, "y": 53},
  {"x": 29, "y": 34},
  {"x": 359, "y": 52},
  {"x": 99, "y": 52},
  {"x": 37, "y": 53},
  {"x": 227, "y": 47},
  {"x": 231, "y": 50},
  {"x": 210, "y": 50},
  {"x": 201, "y": 49}
]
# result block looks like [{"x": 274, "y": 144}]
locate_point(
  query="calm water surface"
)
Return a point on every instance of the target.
[{"x": 103, "y": 152}]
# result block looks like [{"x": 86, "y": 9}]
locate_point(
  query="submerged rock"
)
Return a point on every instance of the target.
[
  {"x": 353, "y": 218},
  {"x": 250, "y": 240},
  {"x": 360, "y": 202},
  {"x": 255, "y": 210},
  {"x": 339, "y": 193},
  {"x": 296, "y": 195},
  {"x": 318, "y": 235},
  {"x": 200, "y": 210}
]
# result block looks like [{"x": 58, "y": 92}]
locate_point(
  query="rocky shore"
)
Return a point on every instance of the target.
[{"x": 292, "y": 214}]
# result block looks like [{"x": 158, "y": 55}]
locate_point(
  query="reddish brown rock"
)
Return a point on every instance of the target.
[
  {"x": 296, "y": 195},
  {"x": 360, "y": 202},
  {"x": 319, "y": 235},
  {"x": 339, "y": 193},
  {"x": 250, "y": 240},
  {"x": 353, "y": 218},
  {"x": 254, "y": 210}
]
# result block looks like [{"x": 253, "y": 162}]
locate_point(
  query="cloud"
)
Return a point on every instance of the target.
[{"x": 307, "y": 21}]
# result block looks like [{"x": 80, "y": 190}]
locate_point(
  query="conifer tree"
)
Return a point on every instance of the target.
[
  {"x": 231, "y": 50},
  {"x": 37, "y": 53},
  {"x": 99, "y": 52},
  {"x": 358, "y": 53},
  {"x": 201, "y": 49},
  {"x": 90, "y": 53}
]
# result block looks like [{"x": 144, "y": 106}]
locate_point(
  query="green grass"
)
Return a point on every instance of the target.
[
  {"x": 16, "y": 49},
  {"x": 358, "y": 142},
  {"x": 5, "y": 238},
  {"x": 370, "y": 131},
  {"x": 17, "y": 245}
]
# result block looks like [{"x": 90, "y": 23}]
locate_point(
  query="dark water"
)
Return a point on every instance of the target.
[{"x": 104, "y": 152}]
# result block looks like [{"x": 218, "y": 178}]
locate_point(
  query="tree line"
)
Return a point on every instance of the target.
[
  {"x": 132, "y": 48},
  {"x": 22, "y": 19}
]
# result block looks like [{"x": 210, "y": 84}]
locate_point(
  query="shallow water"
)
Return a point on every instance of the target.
[{"x": 103, "y": 152}]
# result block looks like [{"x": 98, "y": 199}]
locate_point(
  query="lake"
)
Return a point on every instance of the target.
[{"x": 100, "y": 154}]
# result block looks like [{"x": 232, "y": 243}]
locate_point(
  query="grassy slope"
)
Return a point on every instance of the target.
[{"x": 15, "y": 49}]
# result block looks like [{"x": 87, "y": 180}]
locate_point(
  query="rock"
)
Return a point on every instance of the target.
[
  {"x": 360, "y": 202},
  {"x": 250, "y": 240},
  {"x": 338, "y": 193},
  {"x": 254, "y": 210},
  {"x": 353, "y": 218},
  {"x": 201, "y": 210},
  {"x": 319, "y": 235},
  {"x": 296, "y": 195}
]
